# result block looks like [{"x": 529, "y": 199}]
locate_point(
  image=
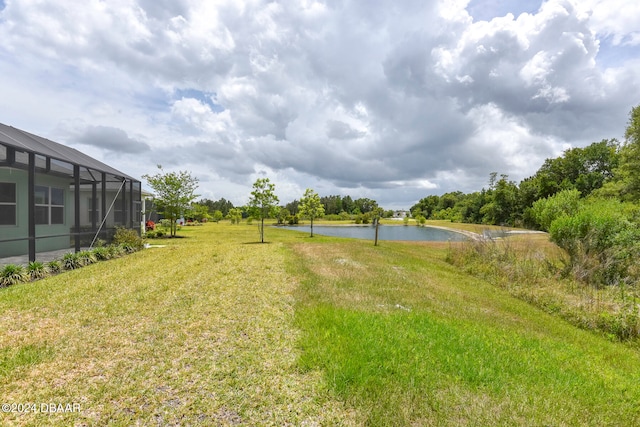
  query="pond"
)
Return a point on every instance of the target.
[{"x": 385, "y": 232}]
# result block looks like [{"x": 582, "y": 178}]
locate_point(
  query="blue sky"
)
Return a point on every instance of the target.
[{"x": 393, "y": 102}]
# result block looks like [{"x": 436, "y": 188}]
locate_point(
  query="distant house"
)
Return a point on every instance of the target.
[
  {"x": 55, "y": 197},
  {"x": 401, "y": 214}
]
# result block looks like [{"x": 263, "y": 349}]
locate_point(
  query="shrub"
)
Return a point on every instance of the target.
[
  {"x": 154, "y": 234},
  {"x": 71, "y": 261},
  {"x": 101, "y": 253},
  {"x": 54, "y": 266},
  {"x": 115, "y": 251},
  {"x": 87, "y": 257},
  {"x": 601, "y": 240},
  {"x": 563, "y": 203},
  {"x": 37, "y": 270},
  {"x": 12, "y": 274},
  {"x": 128, "y": 237}
]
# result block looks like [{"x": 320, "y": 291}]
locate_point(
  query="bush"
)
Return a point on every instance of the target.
[
  {"x": 101, "y": 253},
  {"x": 153, "y": 234},
  {"x": 37, "y": 270},
  {"x": 601, "y": 240},
  {"x": 563, "y": 203},
  {"x": 71, "y": 261},
  {"x": 54, "y": 266},
  {"x": 12, "y": 274},
  {"x": 128, "y": 237},
  {"x": 87, "y": 257},
  {"x": 115, "y": 251}
]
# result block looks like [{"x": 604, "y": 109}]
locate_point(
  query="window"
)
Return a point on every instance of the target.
[
  {"x": 7, "y": 203},
  {"x": 49, "y": 205}
]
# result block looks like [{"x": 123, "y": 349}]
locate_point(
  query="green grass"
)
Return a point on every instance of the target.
[
  {"x": 213, "y": 329},
  {"x": 198, "y": 333},
  {"x": 408, "y": 340}
]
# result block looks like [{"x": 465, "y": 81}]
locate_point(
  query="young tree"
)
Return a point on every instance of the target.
[
  {"x": 311, "y": 207},
  {"x": 263, "y": 202},
  {"x": 174, "y": 191},
  {"x": 235, "y": 215},
  {"x": 217, "y": 216}
]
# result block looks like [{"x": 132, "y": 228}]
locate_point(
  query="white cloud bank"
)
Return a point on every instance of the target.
[{"x": 391, "y": 101}]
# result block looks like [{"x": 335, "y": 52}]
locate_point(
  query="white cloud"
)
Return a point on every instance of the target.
[{"x": 389, "y": 102}]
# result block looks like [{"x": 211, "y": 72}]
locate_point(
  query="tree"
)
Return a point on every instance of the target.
[
  {"x": 217, "y": 216},
  {"x": 235, "y": 215},
  {"x": 629, "y": 170},
  {"x": 221, "y": 205},
  {"x": 564, "y": 203},
  {"x": 311, "y": 207},
  {"x": 199, "y": 212},
  {"x": 174, "y": 193},
  {"x": 263, "y": 202}
]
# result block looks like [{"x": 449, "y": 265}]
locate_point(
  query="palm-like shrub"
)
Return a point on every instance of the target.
[
  {"x": 87, "y": 257},
  {"x": 12, "y": 274},
  {"x": 71, "y": 261},
  {"x": 101, "y": 253},
  {"x": 37, "y": 270},
  {"x": 54, "y": 266}
]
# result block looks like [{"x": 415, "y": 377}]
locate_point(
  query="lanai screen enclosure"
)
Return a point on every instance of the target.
[{"x": 55, "y": 197}]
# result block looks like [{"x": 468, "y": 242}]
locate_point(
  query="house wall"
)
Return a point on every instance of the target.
[
  {"x": 21, "y": 229},
  {"x": 19, "y": 177}
]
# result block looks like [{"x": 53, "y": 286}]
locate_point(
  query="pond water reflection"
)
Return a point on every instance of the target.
[{"x": 386, "y": 232}]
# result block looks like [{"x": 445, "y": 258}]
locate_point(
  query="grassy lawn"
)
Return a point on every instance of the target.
[
  {"x": 199, "y": 332},
  {"x": 216, "y": 330}
]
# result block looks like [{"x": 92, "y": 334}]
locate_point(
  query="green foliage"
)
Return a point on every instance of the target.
[
  {"x": 217, "y": 216},
  {"x": 72, "y": 260},
  {"x": 102, "y": 253},
  {"x": 311, "y": 207},
  {"x": 116, "y": 251},
  {"x": 601, "y": 240},
  {"x": 235, "y": 215},
  {"x": 200, "y": 212},
  {"x": 626, "y": 184},
  {"x": 263, "y": 202},
  {"x": 37, "y": 270},
  {"x": 221, "y": 205},
  {"x": 128, "y": 237},
  {"x": 175, "y": 191},
  {"x": 165, "y": 224},
  {"x": 55, "y": 266},
  {"x": 87, "y": 257},
  {"x": 12, "y": 274},
  {"x": 531, "y": 275},
  {"x": 563, "y": 203}
]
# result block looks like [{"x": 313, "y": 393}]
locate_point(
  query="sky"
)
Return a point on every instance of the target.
[{"x": 392, "y": 100}]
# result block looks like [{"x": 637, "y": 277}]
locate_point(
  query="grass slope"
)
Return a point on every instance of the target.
[
  {"x": 216, "y": 330},
  {"x": 197, "y": 333},
  {"x": 408, "y": 340}
]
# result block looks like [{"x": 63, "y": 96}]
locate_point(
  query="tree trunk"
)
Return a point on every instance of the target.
[
  {"x": 376, "y": 241},
  {"x": 311, "y": 226},
  {"x": 262, "y": 230}
]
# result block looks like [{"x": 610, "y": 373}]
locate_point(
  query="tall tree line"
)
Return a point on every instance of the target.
[{"x": 505, "y": 202}]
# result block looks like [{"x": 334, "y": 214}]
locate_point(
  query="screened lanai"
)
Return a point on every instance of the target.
[{"x": 53, "y": 197}]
